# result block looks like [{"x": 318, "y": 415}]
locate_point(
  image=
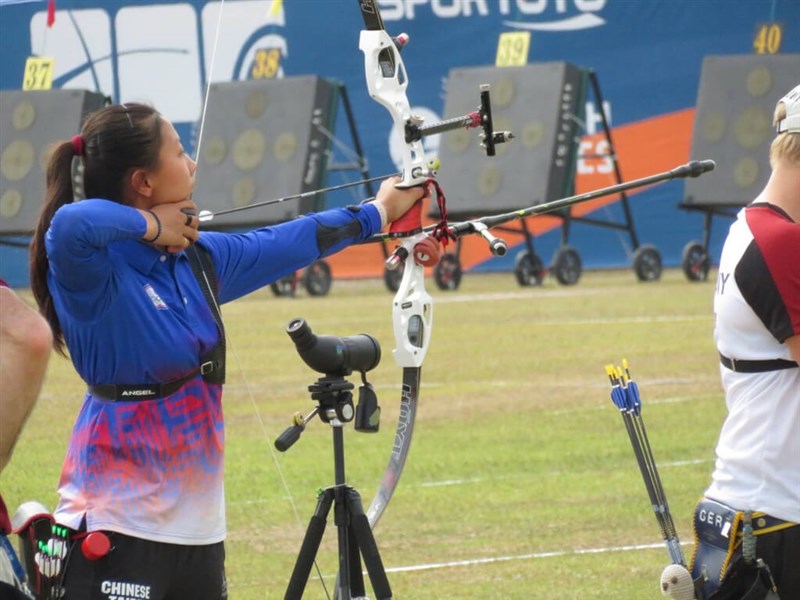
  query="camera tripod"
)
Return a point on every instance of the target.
[{"x": 355, "y": 536}]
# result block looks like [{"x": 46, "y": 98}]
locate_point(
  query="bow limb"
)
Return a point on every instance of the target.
[
  {"x": 387, "y": 82},
  {"x": 412, "y": 319}
]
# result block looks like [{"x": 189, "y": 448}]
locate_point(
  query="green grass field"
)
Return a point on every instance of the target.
[{"x": 521, "y": 482}]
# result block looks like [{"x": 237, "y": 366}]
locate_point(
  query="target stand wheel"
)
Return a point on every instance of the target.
[
  {"x": 567, "y": 266},
  {"x": 695, "y": 261},
  {"x": 392, "y": 279},
  {"x": 447, "y": 273},
  {"x": 285, "y": 286},
  {"x": 647, "y": 263},
  {"x": 317, "y": 278},
  {"x": 528, "y": 269}
]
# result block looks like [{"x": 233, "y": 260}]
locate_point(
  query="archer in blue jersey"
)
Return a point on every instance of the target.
[{"x": 112, "y": 274}]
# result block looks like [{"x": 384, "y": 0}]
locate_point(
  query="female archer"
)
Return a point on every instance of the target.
[{"x": 127, "y": 282}]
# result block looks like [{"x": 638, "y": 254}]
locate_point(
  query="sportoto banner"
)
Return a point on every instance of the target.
[{"x": 647, "y": 56}]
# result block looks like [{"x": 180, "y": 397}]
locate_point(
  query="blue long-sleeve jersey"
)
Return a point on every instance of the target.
[{"x": 132, "y": 314}]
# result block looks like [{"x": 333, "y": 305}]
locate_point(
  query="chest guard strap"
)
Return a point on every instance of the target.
[{"x": 212, "y": 365}]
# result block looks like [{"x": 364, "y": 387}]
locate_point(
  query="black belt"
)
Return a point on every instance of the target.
[
  {"x": 756, "y": 366},
  {"x": 763, "y": 523},
  {"x": 147, "y": 391}
]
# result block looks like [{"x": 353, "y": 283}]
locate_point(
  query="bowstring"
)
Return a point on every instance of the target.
[{"x": 250, "y": 393}]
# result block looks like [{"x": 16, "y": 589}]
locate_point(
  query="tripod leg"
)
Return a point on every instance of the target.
[
  {"x": 308, "y": 550},
  {"x": 356, "y": 576},
  {"x": 359, "y": 524}
]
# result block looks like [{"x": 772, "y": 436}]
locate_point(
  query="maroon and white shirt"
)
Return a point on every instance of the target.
[{"x": 757, "y": 308}]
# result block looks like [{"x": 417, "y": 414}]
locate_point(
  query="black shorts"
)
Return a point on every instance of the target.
[
  {"x": 780, "y": 550},
  {"x": 9, "y": 592},
  {"x": 141, "y": 569}
]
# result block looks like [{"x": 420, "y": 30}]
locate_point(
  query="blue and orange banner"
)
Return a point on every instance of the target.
[{"x": 647, "y": 56}]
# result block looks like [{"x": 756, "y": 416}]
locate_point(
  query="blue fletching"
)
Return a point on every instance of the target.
[
  {"x": 635, "y": 400},
  {"x": 618, "y": 397}
]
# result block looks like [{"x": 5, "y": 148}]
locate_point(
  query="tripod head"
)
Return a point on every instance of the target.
[
  {"x": 334, "y": 399},
  {"x": 336, "y": 357}
]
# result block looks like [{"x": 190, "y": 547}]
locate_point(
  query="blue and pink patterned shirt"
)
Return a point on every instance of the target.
[{"x": 132, "y": 314}]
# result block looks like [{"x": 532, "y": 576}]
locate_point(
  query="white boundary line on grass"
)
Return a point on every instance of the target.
[
  {"x": 468, "y": 480},
  {"x": 533, "y": 555},
  {"x": 628, "y": 320},
  {"x": 541, "y": 295},
  {"x": 494, "y": 559}
]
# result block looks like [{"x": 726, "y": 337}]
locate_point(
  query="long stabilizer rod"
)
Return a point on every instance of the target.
[{"x": 499, "y": 247}]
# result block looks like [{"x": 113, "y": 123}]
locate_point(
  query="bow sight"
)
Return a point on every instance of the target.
[
  {"x": 482, "y": 118},
  {"x": 415, "y": 130}
]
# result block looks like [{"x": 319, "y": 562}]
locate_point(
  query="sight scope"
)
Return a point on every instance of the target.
[{"x": 332, "y": 355}]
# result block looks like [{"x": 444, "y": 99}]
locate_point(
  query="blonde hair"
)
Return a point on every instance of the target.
[{"x": 786, "y": 146}]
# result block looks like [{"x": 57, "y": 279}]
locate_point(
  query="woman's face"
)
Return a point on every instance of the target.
[{"x": 173, "y": 179}]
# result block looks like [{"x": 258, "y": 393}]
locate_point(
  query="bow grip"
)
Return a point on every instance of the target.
[{"x": 409, "y": 223}]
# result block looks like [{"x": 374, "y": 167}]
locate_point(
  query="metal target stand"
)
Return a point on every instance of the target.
[
  {"x": 317, "y": 278},
  {"x": 566, "y": 265},
  {"x": 695, "y": 257},
  {"x": 724, "y": 98}
]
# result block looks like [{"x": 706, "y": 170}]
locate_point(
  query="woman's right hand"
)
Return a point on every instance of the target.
[{"x": 172, "y": 225}]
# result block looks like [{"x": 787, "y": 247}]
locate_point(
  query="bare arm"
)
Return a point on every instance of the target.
[
  {"x": 25, "y": 343},
  {"x": 794, "y": 347}
]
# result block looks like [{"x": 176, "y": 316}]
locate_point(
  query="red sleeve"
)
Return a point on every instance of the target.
[{"x": 778, "y": 239}]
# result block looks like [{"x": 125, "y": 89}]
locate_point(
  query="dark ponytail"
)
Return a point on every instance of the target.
[
  {"x": 59, "y": 193},
  {"x": 113, "y": 142}
]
